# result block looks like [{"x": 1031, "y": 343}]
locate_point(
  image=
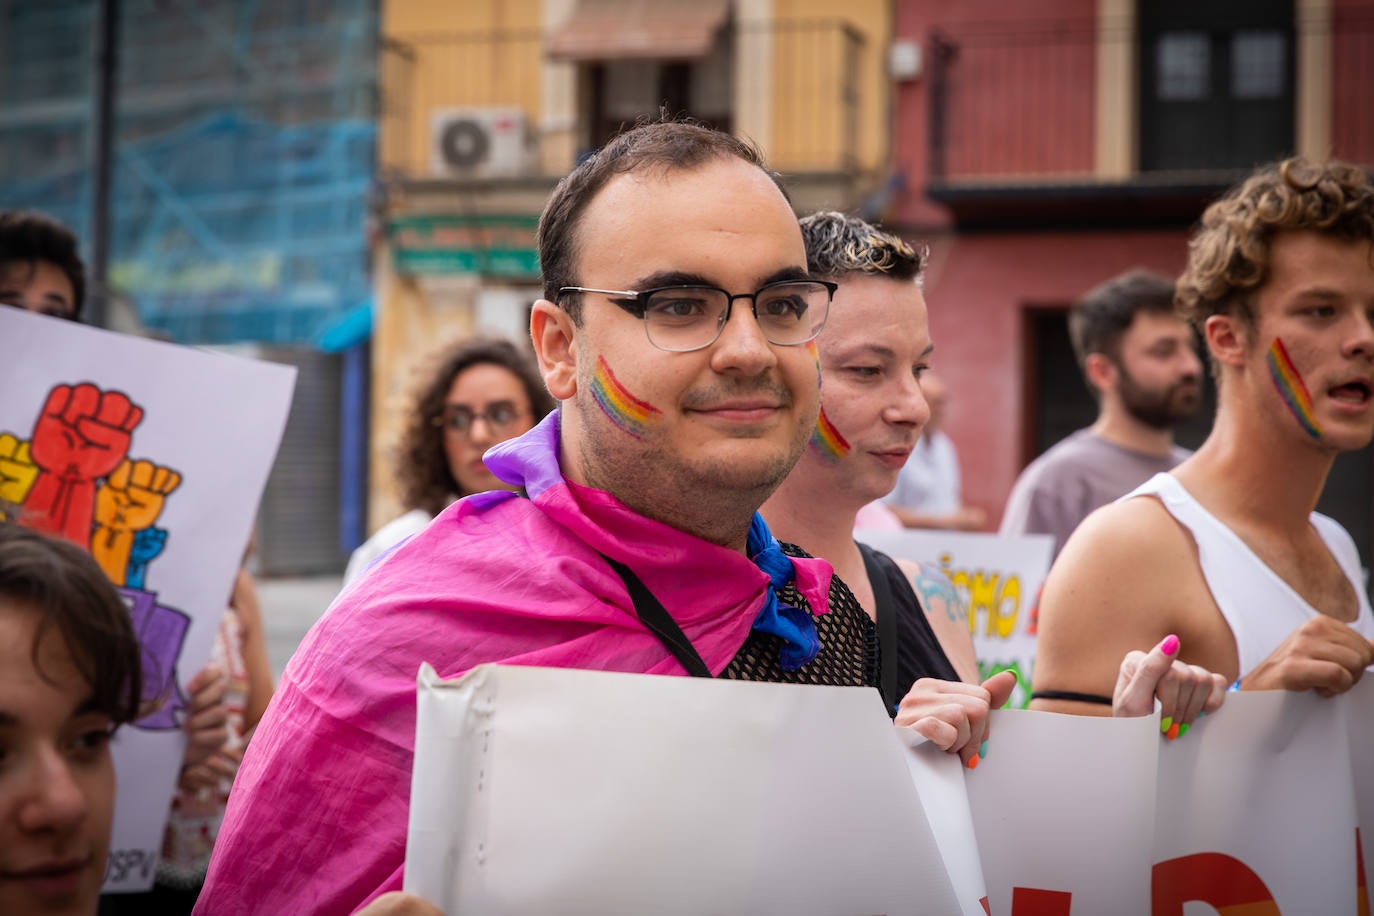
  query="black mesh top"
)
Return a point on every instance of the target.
[
  {"x": 849, "y": 644},
  {"x": 918, "y": 650}
]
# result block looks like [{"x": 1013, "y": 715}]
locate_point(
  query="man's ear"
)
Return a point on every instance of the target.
[
  {"x": 1227, "y": 337},
  {"x": 555, "y": 346},
  {"x": 1100, "y": 371}
]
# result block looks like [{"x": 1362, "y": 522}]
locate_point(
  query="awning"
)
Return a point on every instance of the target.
[{"x": 638, "y": 29}]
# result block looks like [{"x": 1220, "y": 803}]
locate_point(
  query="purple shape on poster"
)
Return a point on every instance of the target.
[{"x": 161, "y": 632}]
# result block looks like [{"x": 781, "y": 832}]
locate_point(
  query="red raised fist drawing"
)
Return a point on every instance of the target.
[{"x": 82, "y": 434}]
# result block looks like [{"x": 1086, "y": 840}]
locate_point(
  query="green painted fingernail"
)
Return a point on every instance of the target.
[{"x": 1183, "y": 729}]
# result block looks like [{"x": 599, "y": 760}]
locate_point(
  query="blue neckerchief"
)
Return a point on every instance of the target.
[{"x": 792, "y": 625}]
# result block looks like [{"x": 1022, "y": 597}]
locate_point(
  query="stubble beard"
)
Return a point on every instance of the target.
[{"x": 711, "y": 498}]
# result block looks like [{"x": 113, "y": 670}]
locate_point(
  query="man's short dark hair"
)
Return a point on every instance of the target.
[
  {"x": 837, "y": 245},
  {"x": 661, "y": 146},
  {"x": 69, "y": 592},
  {"x": 29, "y": 238},
  {"x": 1101, "y": 318}
]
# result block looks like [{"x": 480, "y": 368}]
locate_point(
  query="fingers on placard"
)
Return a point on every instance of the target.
[
  {"x": 940, "y": 733},
  {"x": 116, "y": 410},
  {"x": 119, "y": 479},
  {"x": 83, "y": 402},
  {"x": 56, "y": 405}
]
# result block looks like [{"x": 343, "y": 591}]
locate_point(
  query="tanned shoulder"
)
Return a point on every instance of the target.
[{"x": 1124, "y": 580}]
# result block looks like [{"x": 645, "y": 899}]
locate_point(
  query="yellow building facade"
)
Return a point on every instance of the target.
[{"x": 486, "y": 103}]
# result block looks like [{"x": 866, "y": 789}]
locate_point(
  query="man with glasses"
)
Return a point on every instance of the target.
[{"x": 675, "y": 331}]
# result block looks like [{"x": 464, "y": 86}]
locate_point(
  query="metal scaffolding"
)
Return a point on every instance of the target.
[{"x": 245, "y": 152}]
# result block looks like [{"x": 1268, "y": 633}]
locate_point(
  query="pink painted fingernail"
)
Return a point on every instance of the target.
[{"x": 1170, "y": 645}]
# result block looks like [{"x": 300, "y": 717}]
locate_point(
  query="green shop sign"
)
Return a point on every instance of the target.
[{"x": 493, "y": 246}]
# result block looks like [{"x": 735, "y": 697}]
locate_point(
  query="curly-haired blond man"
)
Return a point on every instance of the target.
[{"x": 1225, "y": 551}]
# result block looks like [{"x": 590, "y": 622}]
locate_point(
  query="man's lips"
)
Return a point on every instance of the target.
[
  {"x": 1355, "y": 392},
  {"x": 744, "y": 409}
]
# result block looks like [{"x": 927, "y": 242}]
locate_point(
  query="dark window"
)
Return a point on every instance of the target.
[
  {"x": 620, "y": 92},
  {"x": 1216, "y": 87}
]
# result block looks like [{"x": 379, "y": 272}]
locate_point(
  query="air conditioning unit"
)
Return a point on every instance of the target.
[{"x": 479, "y": 143}]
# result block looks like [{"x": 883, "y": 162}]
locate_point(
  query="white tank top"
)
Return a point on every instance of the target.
[{"x": 1261, "y": 608}]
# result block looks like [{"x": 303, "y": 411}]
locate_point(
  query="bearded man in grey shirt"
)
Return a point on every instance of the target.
[{"x": 1140, "y": 361}]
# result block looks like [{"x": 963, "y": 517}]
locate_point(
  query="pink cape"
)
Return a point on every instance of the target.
[{"x": 317, "y": 819}]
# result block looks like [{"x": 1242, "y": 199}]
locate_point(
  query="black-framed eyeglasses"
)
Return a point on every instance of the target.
[
  {"x": 499, "y": 416},
  {"x": 680, "y": 319}
]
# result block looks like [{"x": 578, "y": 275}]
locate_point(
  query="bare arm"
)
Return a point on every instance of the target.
[
  {"x": 245, "y": 602},
  {"x": 1123, "y": 582},
  {"x": 947, "y": 614}
]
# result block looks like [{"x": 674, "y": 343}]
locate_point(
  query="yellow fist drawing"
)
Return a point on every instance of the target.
[
  {"x": 130, "y": 500},
  {"x": 17, "y": 471}
]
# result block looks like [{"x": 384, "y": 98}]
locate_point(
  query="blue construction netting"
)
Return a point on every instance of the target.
[{"x": 245, "y": 158}]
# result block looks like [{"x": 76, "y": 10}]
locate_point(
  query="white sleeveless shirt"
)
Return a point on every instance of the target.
[{"x": 1261, "y": 608}]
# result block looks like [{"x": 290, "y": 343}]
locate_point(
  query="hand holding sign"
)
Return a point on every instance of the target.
[
  {"x": 81, "y": 435},
  {"x": 1323, "y": 654},
  {"x": 1184, "y": 691},
  {"x": 954, "y": 715}
]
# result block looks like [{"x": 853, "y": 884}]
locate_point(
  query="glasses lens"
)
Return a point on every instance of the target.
[
  {"x": 501, "y": 414},
  {"x": 792, "y": 312},
  {"x": 459, "y": 419},
  {"x": 684, "y": 317}
]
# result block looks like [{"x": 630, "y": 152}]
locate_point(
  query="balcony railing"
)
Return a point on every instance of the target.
[
  {"x": 813, "y": 91},
  {"x": 1009, "y": 103},
  {"x": 1016, "y": 104}
]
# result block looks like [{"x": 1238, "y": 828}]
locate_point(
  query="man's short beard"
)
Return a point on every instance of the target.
[{"x": 1160, "y": 410}]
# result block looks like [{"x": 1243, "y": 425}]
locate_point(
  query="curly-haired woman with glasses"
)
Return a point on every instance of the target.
[{"x": 481, "y": 391}]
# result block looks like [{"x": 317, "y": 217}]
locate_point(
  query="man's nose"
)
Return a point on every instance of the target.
[{"x": 742, "y": 347}]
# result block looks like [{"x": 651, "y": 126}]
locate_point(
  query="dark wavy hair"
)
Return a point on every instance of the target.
[
  {"x": 71, "y": 593},
  {"x": 422, "y": 471},
  {"x": 27, "y": 237}
]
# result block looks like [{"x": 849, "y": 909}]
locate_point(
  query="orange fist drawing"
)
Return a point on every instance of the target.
[
  {"x": 17, "y": 471},
  {"x": 129, "y": 501},
  {"x": 82, "y": 435}
]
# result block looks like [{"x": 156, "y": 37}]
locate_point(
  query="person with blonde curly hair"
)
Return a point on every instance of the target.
[
  {"x": 478, "y": 392},
  {"x": 1225, "y": 551}
]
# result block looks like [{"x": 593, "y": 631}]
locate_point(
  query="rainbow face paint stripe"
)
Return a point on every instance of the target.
[
  {"x": 826, "y": 439},
  {"x": 1291, "y": 388},
  {"x": 624, "y": 409}
]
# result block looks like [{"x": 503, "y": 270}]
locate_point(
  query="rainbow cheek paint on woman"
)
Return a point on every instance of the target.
[
  {"x": 1292, "y": 388},
  {"x": 625, "y": 410}
]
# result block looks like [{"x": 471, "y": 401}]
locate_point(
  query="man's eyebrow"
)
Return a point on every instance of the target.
[
  {"x": 684, "y": 278},
  {"x": 1316, "y": 292}
]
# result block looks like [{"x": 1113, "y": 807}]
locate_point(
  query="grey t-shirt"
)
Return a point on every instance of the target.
[{"x": 1077, "y": 475}]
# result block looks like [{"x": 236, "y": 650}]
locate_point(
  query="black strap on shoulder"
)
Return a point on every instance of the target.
[
  {"x": 885, "y": 610},
  {"x": 656, "y": 617},
  {"x": 1072, "y": 695}
]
